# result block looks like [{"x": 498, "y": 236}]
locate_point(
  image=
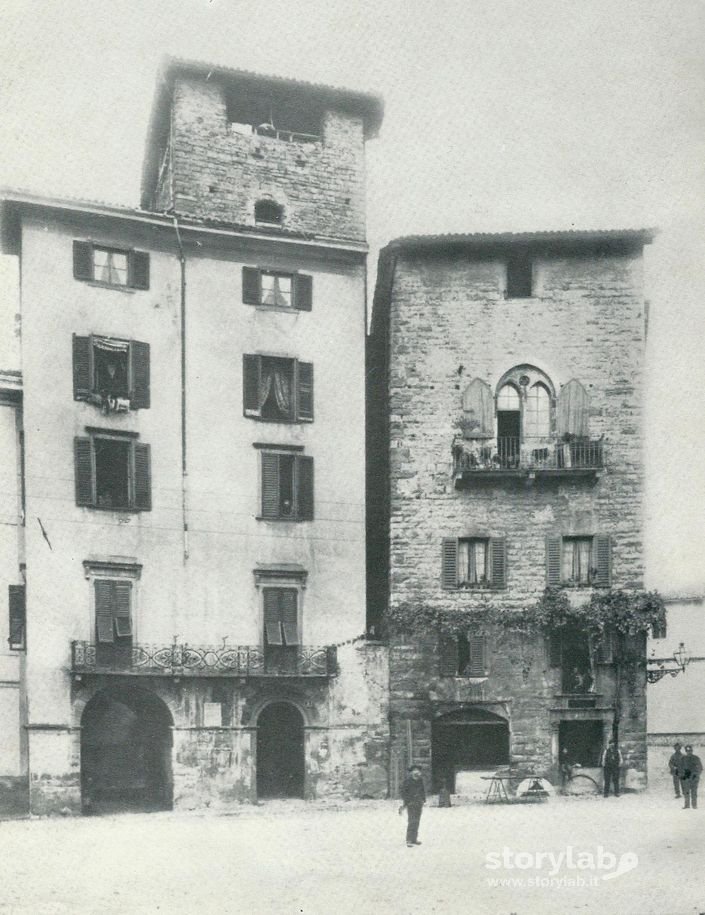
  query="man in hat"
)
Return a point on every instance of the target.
[
  {"x": 690, "y": 769},
  {"x": 611, "y": 763},
  {"x": 674, "y": 766},
  {"x": 413, "y": 794}
]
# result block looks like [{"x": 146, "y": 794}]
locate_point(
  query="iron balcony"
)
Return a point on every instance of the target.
[
  {"x": 203, "y": 661},
  {"x": 503, "y": 457}
]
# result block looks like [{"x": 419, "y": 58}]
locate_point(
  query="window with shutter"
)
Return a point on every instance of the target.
[
  {"x": 304, "y": 495},
  {"x": 478, "y": 410},
  {"x": 277, "y": 389},
  {"x": 113, "y": 622},
  {"x": 498, "y": 562},
  {"x": 112, "y": 472},
  {"x": 139, "y": 375},
  {"x": 449, "y": 563},
  {"x": 82, "y": 367},
  {"x": 277, "y": 289},
  {"x": 603, "y": 648},
  {"x": 110, "y": 266},
  {"x": 303, "y": 292},
  {"x": 281, "y": 628},
  {"x": 286, "y": 486},
  {"x": 573, "y": 410},
  {"x": 448, "y": 656},
  {"x": 602, "y": 561},
  {"x": 477, "y": 664},
  {"x": 111, "y": 373},
  {"x": 83, "y": 260},
  {"x": 251, "y": 289},
  {"x": 17, "y": 617},
  {"x": 304, "y": 398},
  {"x": 270, "y": 485},
  {"x": 142, "y": 486},
  {"x": 83, "y": 456},
  {"x": 553, "y": 561},
  {"x": 139, "y": 269}
]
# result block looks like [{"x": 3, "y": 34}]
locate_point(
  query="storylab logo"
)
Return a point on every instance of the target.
[{"x": 571, "y": 867}]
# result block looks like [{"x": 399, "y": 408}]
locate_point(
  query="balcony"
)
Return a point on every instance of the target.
[
  {"x": 511, "y": 457},
  {"x": 203, "y": 661}
]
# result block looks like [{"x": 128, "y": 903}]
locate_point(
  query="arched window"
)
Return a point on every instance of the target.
[
  {"x": 269, "y": 212},
  {"x": 525, "y": 407},
  {"x": 537, "y": 414}
]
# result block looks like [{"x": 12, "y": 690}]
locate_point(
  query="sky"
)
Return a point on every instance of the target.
[{"x": 499, "y": 115}]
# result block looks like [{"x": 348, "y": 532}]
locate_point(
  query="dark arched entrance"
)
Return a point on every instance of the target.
[
  {"x": 465, "y": 740},
  {"x": 126, "y": 752},
  {"x": 280, "y": 751}
]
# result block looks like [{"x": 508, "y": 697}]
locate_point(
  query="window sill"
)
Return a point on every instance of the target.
[
  {"x": 283, "y": 520},
  {"x": 285, "y": 309},
  {"x": 281, "y": 422},
  {"x": 116, "y": 510},
  {"x": 98, "y": 285}
]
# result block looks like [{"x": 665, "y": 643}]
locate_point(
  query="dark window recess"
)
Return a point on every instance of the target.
[
  {"x": 274, "y": 115},
  {"x": 114, "y": 374},
  {"x": 276, "y": 289},
  {"x": 578, "y": 561},
  {"x": 281, "y": 629},
  {"x": 287, "y": 487},
  {"x": 17, "y": 617},
  {"x": 463, "y": 656},
  {"x": 659, "y": 630},
  {"x": 569, "y": 649},
  {"x": 269, "y": 212},
  {"x": 473, "y": 563},
  {"x": 113, "y": 620},
  {"x": 112, "y": 266},
  {"x": 277, "y": 389},
  {"x": 112, "y": 473},
  {"x": 519, "y": 276}
]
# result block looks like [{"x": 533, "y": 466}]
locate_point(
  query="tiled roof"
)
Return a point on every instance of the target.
[{"x": 482, "y": 239}]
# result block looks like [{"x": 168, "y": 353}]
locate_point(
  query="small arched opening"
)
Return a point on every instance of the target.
[
  {"x": 126, "y": 742},
  {"x": 280, "y": 751},
  {"x": 269, "y": 212},
  {"x": 467, "y": 740}
]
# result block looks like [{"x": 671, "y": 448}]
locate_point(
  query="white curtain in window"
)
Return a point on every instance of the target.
[
  {"x": 472, "y": 559},
  {"x": 576, "y": 560}
]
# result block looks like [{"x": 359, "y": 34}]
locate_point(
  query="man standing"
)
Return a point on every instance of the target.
[
  {"x": 690, "y": 769},
  {"x": 611, "y": 763},
  {"x": 674, "y": 768},
  {"x": 413, "y": 795}
]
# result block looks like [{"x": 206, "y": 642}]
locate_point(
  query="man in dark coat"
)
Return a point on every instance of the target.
[
  {"x": 413, "y": 795},
  {"x": 674, "y": 767},
  {"x": 611, "y": 763},
  {"x": 690, "y": 769}
]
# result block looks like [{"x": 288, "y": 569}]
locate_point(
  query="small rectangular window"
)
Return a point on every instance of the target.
[
  {"x": 17, "y": 617},
  {"x": 112, "y": 472},
  {"x": 113, "y": 374},
  {"x": 659, "y": 630},
  {"x": 576, "y": 560},
  {"x": 464, "y": 655},
  {"x": 277, "y": 389},
  {"x": 277, "y": 289},
  {"x": 473, "y": 562},
  {"x": 110, "y": 266},
  {"x": 519, "y": 276},
  {"x": 579, "y": 561},
  {"x": 287, "y": 486}
]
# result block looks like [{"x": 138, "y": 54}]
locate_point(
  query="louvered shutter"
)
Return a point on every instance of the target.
[
  {"x": 82, "y": 367},
  {"x": 272, "y": 617},
  {"x": 448, "y": 656},
  {"x": 573, "y": 410},
  {"x": 304, "y": 471},
  {"x": 498, "y": 562},
  {"x": 477, "y": 665},
  {"x": 287, "y": 609},
  {"x": 449, "y": 563},
  {"x": 104, "y": 601},
  {"x": 17, "y": 616},
  {"x": 250, "y": 385},
  {"x": 603, "y": 648},
  {"x": 83, "y": 458},
  {"x": 251, "y": 287},
  {"x": 123, "y": 623},
  {"x": 478, "y": 410},
  {"x": 304, "y": 392},
  {"x": 83, "y": 260},
  {"x": 138, "y": 267},
  {"x": 602, "y": 560},
  {"x": 270, "y": 485},
  {"x": 142, "y": 477},
  {"x": 139, "y": 375},
  {"x": 303, "y": 292},
  {"x": 555, "y": 645},
  {"x": 553, "y": 561}
]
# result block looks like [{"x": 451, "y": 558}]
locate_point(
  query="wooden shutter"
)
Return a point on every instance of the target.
[
  {"x": 304, "y": 390},
  {"x": 478, "y": 410},
  {"x": 83, "y": 260},
  {"x": 498, "y": 562},
  {"x": 289, "y": 620},
  {"x": 138, "y": 269},
  {"x": 602, "y": 561},
  {"x": 603, "y": 648},
  {"x": 142, "y": 477},
  {"x": 272, "y": 617},
  {"x": 121, "y": 608},
  {"x": 104, "y": 595},
  {"x": 477, "y": 665},
  {"x": 448, "y": 656},
  {"x": 250, "y": 385},
  {"x": 82, "y": 367},
  {"x": 270, "y": 484},
  {"x": 449, "y": 563},
  {"x": 555, "y": 646},
  {"x": 303, "y": 292},
  {"x": 553, "y": 561},
  {"x": 139, "y": 375},
  {"x": 17, "y": 616},
  {"x": 251, "y": 287},
  {"x": 304, "y": 482},
  {"x": 83, "y": 459},
  {"x": 573, "y": 410}
]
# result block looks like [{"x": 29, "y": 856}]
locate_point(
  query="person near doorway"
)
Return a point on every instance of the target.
[
  {"x": 611, "y": 763},
  {"x": 413, "y": 795},
  {"x": 565, "y": 768},
  {"x": 674, "y": 768},
  {"x": 690, "y": 769}
]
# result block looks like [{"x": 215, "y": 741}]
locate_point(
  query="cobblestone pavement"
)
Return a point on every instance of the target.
[{"x": 636, "y": 854}]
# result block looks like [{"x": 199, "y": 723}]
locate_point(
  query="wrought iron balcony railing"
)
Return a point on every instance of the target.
[
  {"x": 203, "y": 661},
  {"x": 522, "y": 456}
]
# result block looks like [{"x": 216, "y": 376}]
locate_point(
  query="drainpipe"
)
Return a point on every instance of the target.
[{"x": 184, "y": 471}]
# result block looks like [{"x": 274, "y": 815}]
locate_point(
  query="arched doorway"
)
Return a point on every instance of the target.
[
  {"x": 465, "y": 740},
  {"x": 280, "y": 751},
  {"x": 126, "y": 752}
]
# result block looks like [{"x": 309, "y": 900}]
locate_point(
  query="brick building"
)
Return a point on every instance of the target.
[
  {"x": 505, "y": 381},
  {"x": 185, "y": 500}
]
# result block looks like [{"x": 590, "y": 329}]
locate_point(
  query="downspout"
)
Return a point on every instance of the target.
[{"x": 184, "y": 464}]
